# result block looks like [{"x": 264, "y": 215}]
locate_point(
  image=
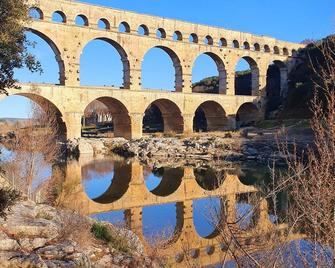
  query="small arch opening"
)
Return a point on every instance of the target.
[
  {"x": 177, "y": 36},
  {"x": 257, "y": 47},
  {"x": 276, "y": 50},
  {"x": 161, "y": 33},
  {"x": 266, "y": 49},
  {"x": 81, "y": 20},
  {"x": 124, "y": 27},
  {"x": 104, "y": 24},
  {"x": 246, "y": 45},
  {"x": 193, "y": 38},
  {"x": 223, "y": 42},
  {"x": 59, "y": 16},
  {"x": 208, "y": 40},
  {"x": 143, "y": 30},
  {"x": 35, "y": 13},
  {"x": 236, "y": 44},
  {"x": 285, "y": 51}
]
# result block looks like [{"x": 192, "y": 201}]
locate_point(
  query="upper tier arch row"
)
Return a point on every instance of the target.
[{"x": 158, "y": 27}]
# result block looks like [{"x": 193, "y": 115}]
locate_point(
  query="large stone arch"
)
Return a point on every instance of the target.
[
  {"x": 171, "y": 114},
  {"x": 213, "y": 113},
  {"x": 247, "y": 114},
  {"x": 254, "y": 74},
  {"x": 222, "y": 73},
  {"x": 47, "y": 105},
  {"x": 283, "y": 70},
  {"x": 56, "y": 51},
  {"x": 120, "y": 116},
  {"x": 124, "y": 58},
  {"x": 176, "y": 64}
]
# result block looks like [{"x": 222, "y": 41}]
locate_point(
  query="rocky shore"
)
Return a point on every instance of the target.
[
  {"x": 36, "y": 235},
  {"x": 250, "y": 145}
]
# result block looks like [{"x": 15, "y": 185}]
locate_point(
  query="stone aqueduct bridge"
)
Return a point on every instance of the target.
[
  {"x": 128, "y": 192},
  {"x": 128, "y": 103}
]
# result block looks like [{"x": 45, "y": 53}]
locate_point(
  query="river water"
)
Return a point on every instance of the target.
[{"x": 176, "y": 208}]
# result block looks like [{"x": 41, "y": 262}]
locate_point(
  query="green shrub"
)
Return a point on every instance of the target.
[
  {"x": 8, "y": 197},
  {"x": 101, "y": 232}
]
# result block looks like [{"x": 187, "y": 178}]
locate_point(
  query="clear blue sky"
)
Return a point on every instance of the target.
[{"x": 291, "y": 20}]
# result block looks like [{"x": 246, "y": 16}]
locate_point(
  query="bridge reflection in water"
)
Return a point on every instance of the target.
[{"x": 189, "y": 206}]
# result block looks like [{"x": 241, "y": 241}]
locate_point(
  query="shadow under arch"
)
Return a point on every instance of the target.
[
  {"x": 50, "y": 107},
  {"x": 170, "y": 182},
  {"x": 119, "y": 184},
  {"x": 251, "y": 78},
  {"x": 248, "y": 114},
  {"x": 172, "y": 118},
  {"x": 222, "y": 73},
  {"x": 120, "y": 116},
  {"x": 210, "y": 116},
  {"x": 123, "y": 55},
  {"x": 176, "y": 64},
  {"x": 56, "y": 51}
]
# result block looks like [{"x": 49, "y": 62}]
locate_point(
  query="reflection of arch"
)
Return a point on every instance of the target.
[
  {"x": 221, "y": 71},
  {"x": 247, "y": 114},
  {"x": 170, "y": 182},
  {"x": 252, "y": 79},
  {"x": 124, "y": 59},
  {"x": 120, "y": 115},
  {"x": 61, "y": 14},
  {"x": 119, "y": 184},
  {"x": 173, "y": 120},
  {"x": 49, "y": 107},
  {"x": 214, "y": 114},
  {"x": 176, "y": 64},
  {"x": 56, "y": 51},
  {"x": 208, "y": 178}
]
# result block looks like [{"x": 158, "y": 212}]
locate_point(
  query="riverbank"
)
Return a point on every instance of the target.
[
  {"x": 35, "y": 235},
  {"x": 257, "y": 145}
]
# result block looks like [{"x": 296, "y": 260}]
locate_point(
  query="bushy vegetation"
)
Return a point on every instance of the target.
[
  {"x": 8, "y": 197},
  {"x": 111, "y": 237}
]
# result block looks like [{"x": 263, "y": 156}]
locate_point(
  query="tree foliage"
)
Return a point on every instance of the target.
[{"x": 13, "y": 42}]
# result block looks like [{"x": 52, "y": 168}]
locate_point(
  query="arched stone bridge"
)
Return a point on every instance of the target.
[{"x": 182, "y": 41}]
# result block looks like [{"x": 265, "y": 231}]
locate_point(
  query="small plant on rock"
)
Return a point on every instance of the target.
[{"x": 8, "y": 197}]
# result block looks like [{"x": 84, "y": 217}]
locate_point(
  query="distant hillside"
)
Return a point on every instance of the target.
[{"x": 12, "y": 120}]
